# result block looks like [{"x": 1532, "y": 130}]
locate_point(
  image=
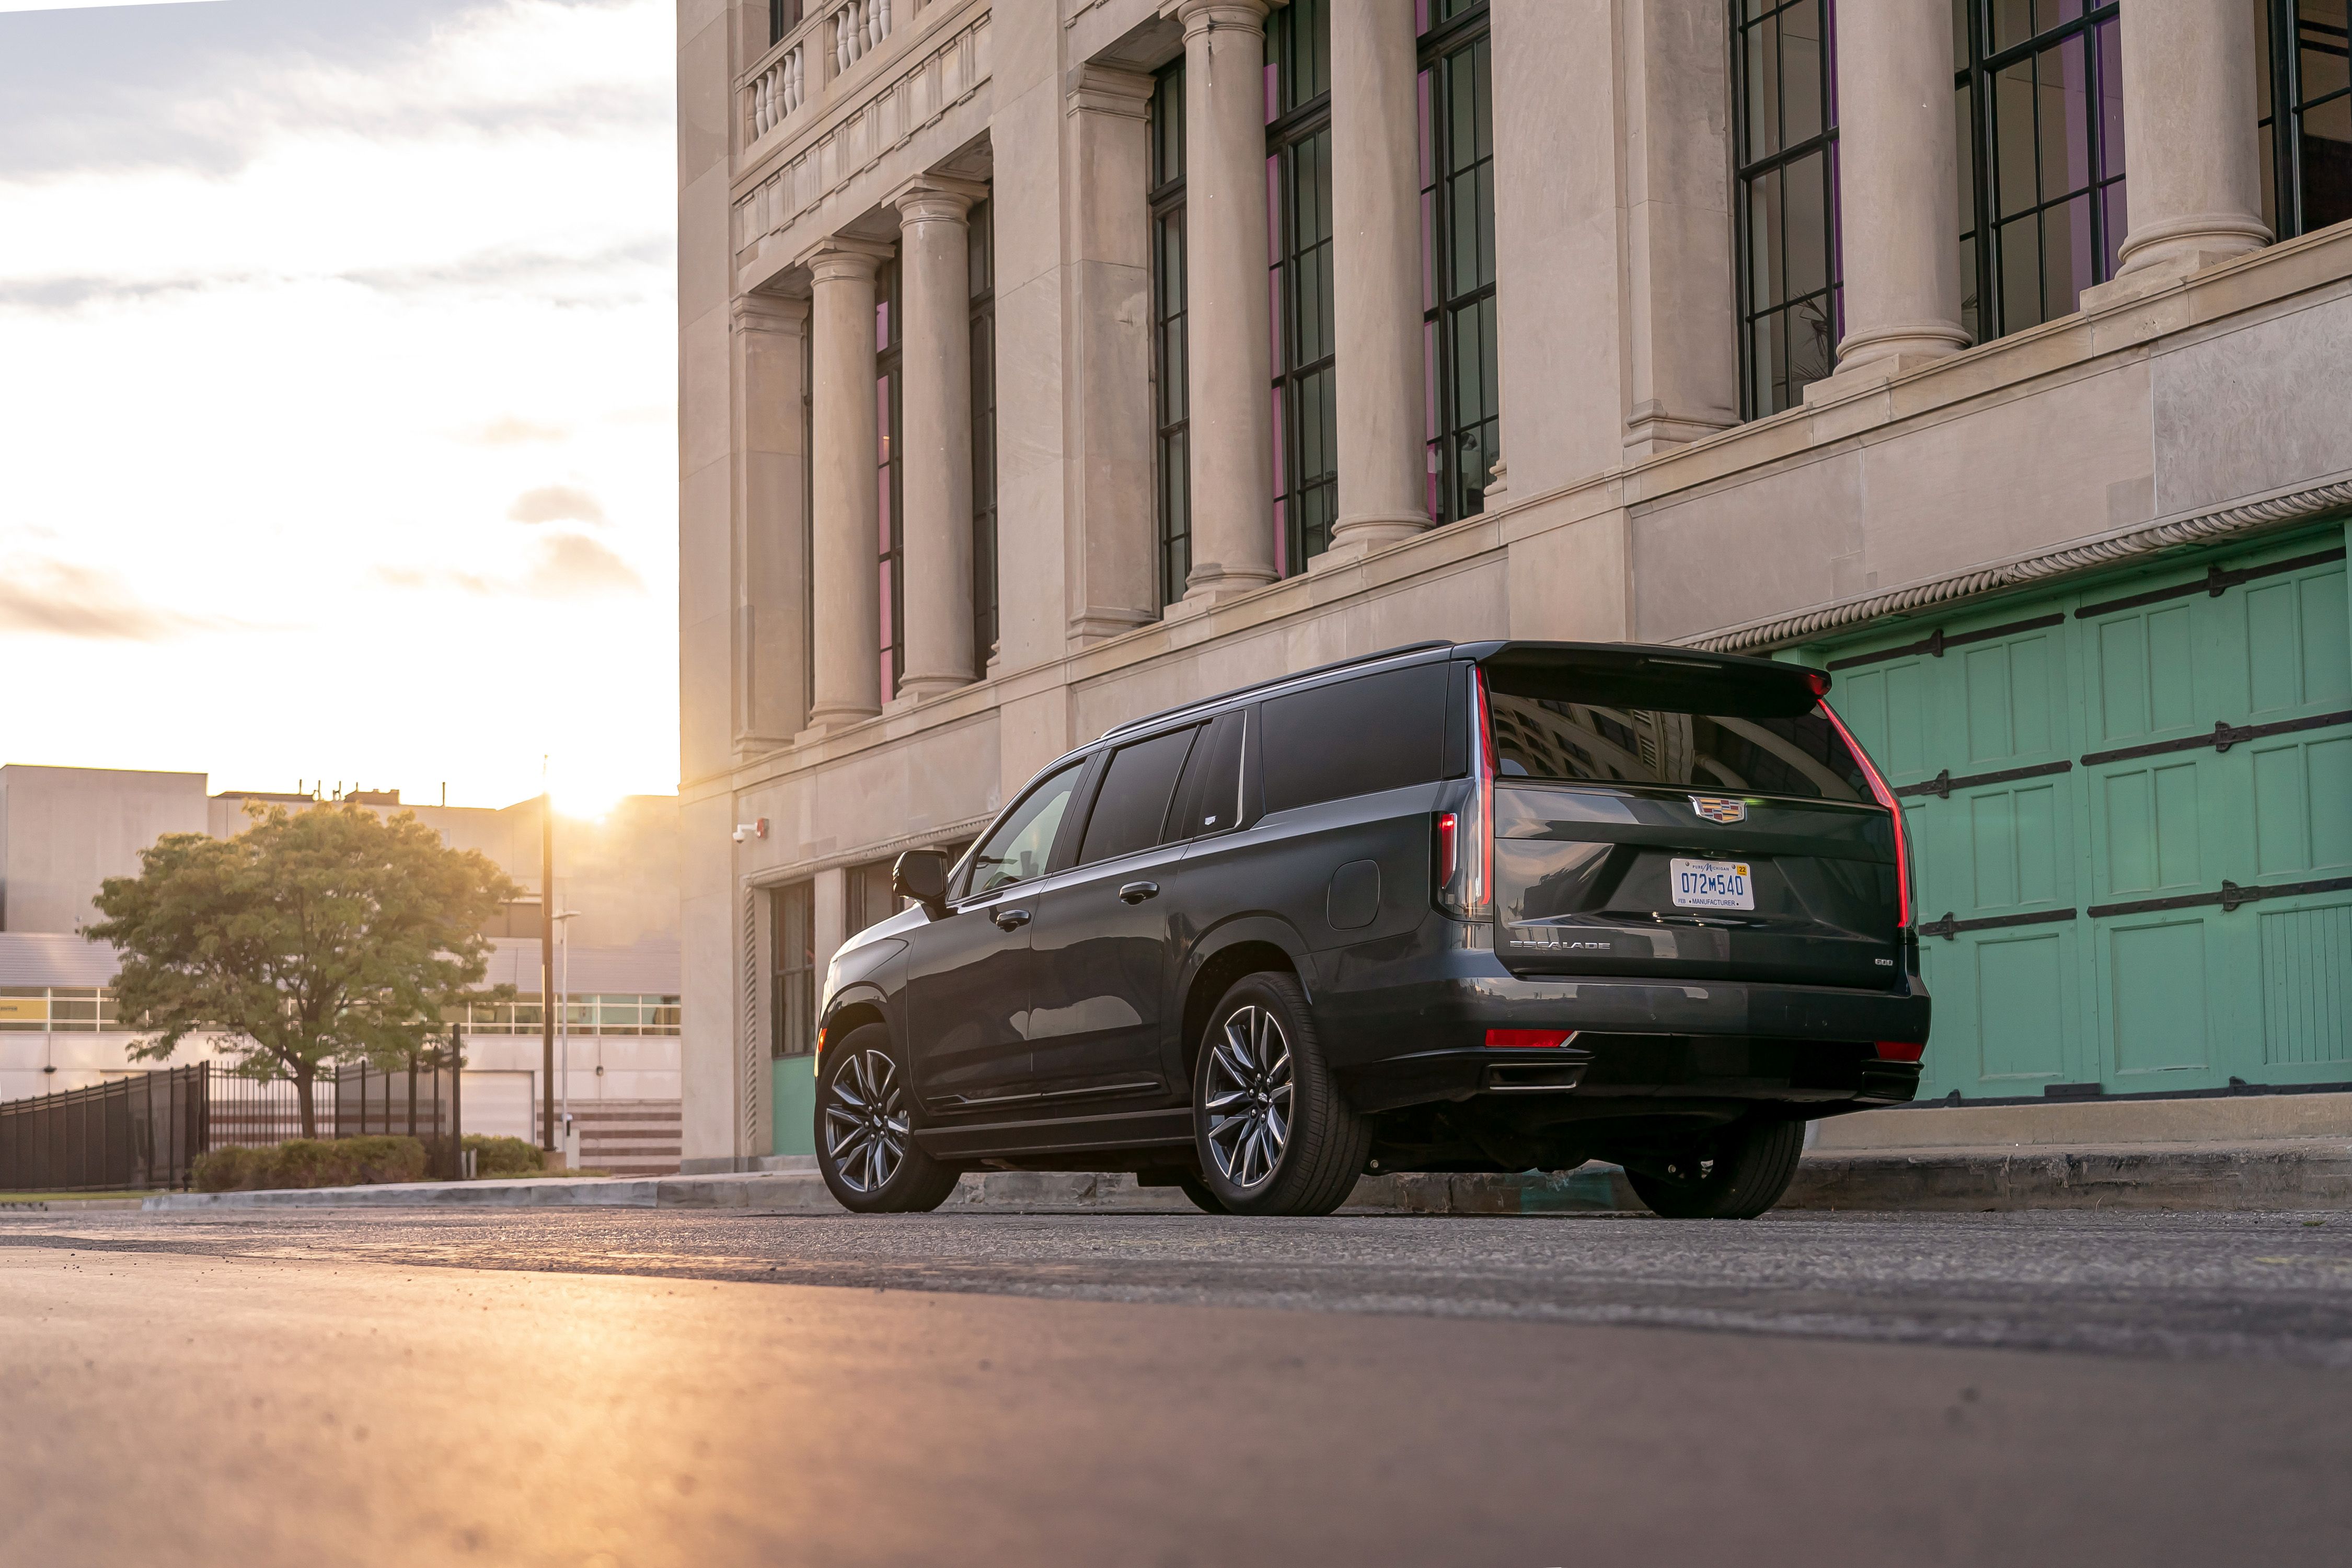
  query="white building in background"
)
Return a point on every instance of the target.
[
  {"x": 1047, "y": 362},
  {"x": 64, "y": 830}
]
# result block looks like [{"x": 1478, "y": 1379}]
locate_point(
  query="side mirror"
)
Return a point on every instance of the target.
[{"x": 922, "y": 875}]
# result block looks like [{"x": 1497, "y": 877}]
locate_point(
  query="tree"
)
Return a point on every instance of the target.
[{"x": 326, "y": 933}]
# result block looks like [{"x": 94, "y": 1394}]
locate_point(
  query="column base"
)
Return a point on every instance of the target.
[
  {"x": 832, "y": 721},
  {"x": 2157, "y": 276},
  {"x": 1353, "y": 538},
  {"x": 915, "y": 689},
  {"x": 1209, "y": 592},
  {"x": 1096, "y": 625},
  {"x": 1847, "y": 384},
  {"x": 1655, "y": 429}
]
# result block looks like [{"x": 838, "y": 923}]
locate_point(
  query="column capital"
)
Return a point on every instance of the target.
[
  {"x": 937, "y": 198},
  {"x": 1109, "y": 89},
  {"x": 844, "y": 258},
  {"x": 1216, "y": 15},
  {"x": 758, "y": 313}
]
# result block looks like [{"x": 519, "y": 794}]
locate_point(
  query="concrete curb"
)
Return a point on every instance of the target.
[
  {"x": 2282, "y": 1174},
  {"x": 2290, "y": 1173}
]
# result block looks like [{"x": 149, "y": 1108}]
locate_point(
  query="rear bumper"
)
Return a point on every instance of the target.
[{"x": 1414, "y": 1030}]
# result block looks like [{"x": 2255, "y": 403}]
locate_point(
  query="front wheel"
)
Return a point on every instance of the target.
[
  {"x": 1274, "y": 1134},
  {"x": 865, "y": 1138},
  {"x": 1736, "y": 1174}
]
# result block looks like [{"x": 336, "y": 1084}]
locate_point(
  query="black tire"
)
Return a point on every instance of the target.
[
  {"x": 1197, "y": 1190},
  {"x": 1310, "y": 1166},
  {"x": 1736, "y": 1174},
  {"x": 865, "y": 1116}
]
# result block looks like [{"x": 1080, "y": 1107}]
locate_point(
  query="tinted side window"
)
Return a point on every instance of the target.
[
  {"x": 1132, "y": 804},
  {"x": 1356, "y": 737},
  {"x": 1209, "y": 800},
  {"x": 1023, "y": 841}
]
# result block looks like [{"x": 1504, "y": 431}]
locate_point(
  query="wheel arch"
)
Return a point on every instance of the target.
[{"x": 1246, "y": 946}]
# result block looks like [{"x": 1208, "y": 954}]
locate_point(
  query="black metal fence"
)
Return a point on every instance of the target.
[
  {"x": 141, "y": 1131},
  {"x": 146, "y": 1130}
]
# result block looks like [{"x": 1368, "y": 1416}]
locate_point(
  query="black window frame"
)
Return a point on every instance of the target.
[
  {"x": 1170, "y": 293},
  {"x": 981, "y": 256},
  {"x": 890, "y": 535},
  {"x": 1984, "y": 312},
  {"x": 866, "y": 896},
  {"x": 2280, "y": 77},
  {"x": 792, "y": 970},
  {"x": 1305, "y": 381},
  {"x": 1445, "y": 302},
  {"x": 1762, "y": 393}
]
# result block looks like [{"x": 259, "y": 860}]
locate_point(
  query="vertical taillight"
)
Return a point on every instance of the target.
[
  {"x": 1885, "y": 797},
  {"x": 1465, "y": 837}
]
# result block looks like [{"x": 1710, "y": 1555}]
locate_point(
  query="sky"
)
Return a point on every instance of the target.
[{"x": 338, "y": 394}]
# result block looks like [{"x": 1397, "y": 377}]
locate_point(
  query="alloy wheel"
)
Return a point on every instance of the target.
[
  {"x": 1248, "y": 1096},
  {"x": 866, "y": 1121}
]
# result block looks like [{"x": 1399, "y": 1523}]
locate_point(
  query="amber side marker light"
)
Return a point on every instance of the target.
[
  {"x": 1540, "y": 1039},
  {"x": 1899, "y": 1051}
]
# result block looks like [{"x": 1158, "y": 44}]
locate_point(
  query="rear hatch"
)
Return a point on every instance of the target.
[{"x": 1685, "y": 817}]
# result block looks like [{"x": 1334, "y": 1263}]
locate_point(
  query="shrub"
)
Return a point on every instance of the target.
[
  {"x": 503, "y": 1156},
  {"x": 312, "y": 1162}
]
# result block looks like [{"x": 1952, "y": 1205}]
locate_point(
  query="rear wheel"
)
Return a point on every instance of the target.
[
  {"x": 865, "y": 1144},
  {"x": 1736, "y": 1173},
  {"x": 1274, "y": 1135}
]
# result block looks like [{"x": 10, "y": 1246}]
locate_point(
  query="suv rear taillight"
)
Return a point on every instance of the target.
[
  {"x": 1466, "y": 839},
  {"x": 1885, "y": 797}
]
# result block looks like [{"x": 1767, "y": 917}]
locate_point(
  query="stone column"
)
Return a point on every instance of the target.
[
  {"x": 848, "y": 569},
  {"x": 1898, "y": 156},
  {"x": 771, "y": 585},
  {"x": 1225, "y": 253},
  {"x": 935, "y": 276},
  {"x": 1112, "y": 520},
  {"x": 1376, "y": 278},
  {"x": 2195, "y": 191}
]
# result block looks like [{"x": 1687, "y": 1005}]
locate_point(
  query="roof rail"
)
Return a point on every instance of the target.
[{"x": 1336, "y": 664}]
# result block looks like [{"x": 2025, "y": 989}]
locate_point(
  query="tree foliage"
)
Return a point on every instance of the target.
[{"x": 328, "y": 933}]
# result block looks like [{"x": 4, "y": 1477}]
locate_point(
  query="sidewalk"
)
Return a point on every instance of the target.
[{"x": 1882, "y": 1160}]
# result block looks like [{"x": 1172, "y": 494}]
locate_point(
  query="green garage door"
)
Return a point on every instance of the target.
[{"x": 2131, "y": 808}]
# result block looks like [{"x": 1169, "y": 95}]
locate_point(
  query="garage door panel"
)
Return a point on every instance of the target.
[
  {"x": 2306, "y": 966},
  {"x": 2146, "y": 683},
  {"x": 2009, "y": 698},
  {"x": 2023, "y": 1004},
  {"x": 2296, "y": 651},
  {"x": 2015, "y": 841},
  {"x": 2152, "y": 827},
  {"x": 2301, "y": 794},
  {"x": 2160, "y": 997}
]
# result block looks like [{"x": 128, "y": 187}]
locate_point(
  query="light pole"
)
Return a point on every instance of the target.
[{"x": 563, "y": 919}]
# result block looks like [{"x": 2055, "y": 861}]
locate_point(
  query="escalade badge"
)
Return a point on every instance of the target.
[{"x": 1717, "y": 809}]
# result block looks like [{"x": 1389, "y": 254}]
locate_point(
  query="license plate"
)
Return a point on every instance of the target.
[{"x": 1713, "y": 885}]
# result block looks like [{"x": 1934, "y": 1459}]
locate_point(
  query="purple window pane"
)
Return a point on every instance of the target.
[
  {"x": 1428, "y": 251},
  {"x": 2065, "y": 118},
  {"x": 1273, "y": 210},
  {"x": 1281, "y": 484},
  {"x": 1276, "y": 358},
  {"x": 1421, "y": 112},
  {"x": 881, "y": 325},
  {"x": 1429, "y": 378},
  {"x": 2067, "y": 256},
  {"x": 890, "y": 633},
  {"x": 2111, "y": 100},
  {"x": 1419, "y": 17}
]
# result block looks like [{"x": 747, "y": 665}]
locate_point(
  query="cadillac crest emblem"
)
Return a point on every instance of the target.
[{"x": 1714, "y": 808}]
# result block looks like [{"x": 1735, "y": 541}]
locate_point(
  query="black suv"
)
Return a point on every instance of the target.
[{"x": 1494, "y": 906}]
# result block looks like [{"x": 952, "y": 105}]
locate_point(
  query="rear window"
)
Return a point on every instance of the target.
[
  {"x": 1563, "y": 740},
  {"x": 1356, "y": 737}
]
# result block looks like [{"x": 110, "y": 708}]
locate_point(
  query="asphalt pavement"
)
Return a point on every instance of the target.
[{"x": 654, "y": 1387}]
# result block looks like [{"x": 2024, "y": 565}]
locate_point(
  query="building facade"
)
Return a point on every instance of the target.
[{"x": 1045, "y": 362}]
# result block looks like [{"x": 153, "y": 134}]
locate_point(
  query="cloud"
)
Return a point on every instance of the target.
[
  {"x": 513, "y": 430},
  {"x": 567, "y": 566},
  {"x": 572, "y": 566},
  {"x": 58, "y": 598},
  {"x": 556, "y": 503}
]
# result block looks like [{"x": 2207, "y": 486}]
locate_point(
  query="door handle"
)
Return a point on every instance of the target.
[
  {"x": 1009, "y": 920},
  {"x": 1136, "y": 892}
]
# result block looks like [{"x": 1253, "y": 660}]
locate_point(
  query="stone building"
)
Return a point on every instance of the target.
[{"x": 1045, "y": 362}]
